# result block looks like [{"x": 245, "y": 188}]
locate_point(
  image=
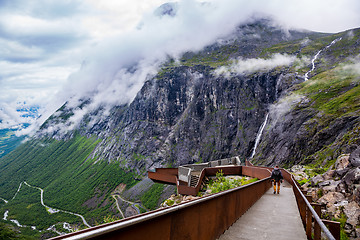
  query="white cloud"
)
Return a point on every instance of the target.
[
  {"x": 251, "y": 65},
  {"x": 353, "y": 67},
  {"x": 44, "y": 41},
  {"x": 279, "y": 110}
]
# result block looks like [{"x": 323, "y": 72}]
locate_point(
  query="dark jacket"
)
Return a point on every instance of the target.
[{"x": 276, "y": 174}]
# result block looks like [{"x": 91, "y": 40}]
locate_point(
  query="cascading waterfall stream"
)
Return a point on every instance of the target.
[
  {"x": 258, "y": 136},
  {"x": 306, "y": 76}
]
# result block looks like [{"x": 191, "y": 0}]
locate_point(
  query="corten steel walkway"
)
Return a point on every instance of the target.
[
  {"x": 273, "y": 216},
  {"x": 210, "y": 217}
]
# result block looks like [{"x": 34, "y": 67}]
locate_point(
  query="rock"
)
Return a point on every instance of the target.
[
  {"x": 331, "y": 198},
  {"x": 305, "y": 187},
  {"x": 356, "y": 193},
  {"x": 355, "y": 158},
  {"x": 352, "y": 176},
  {"x": 342, "y": 172},
  {"x": 342, "y": 162},
  {"x": 329, "y": 175},
  {"x": 352, "y": 212},
  {"x": 316, "y": 180},
  {"x": 357, "y": 231},
  {"x": 324, "y": 183},
  {"x": 341, "y": 187},
  {"x": 190, "y": 198},
  {"x": 341, "y": 204},
  {"x": 297, "y": 168},
  {"x": 332, "y": 186},
  {"x": 208, "y": 192}
]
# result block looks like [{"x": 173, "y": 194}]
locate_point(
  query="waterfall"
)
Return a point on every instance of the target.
[
  {"x": 306, "y": 76},
  {"x": 258, "y": 136}
]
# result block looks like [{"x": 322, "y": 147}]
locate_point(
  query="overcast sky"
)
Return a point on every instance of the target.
[{"x": 60, "y": 48}]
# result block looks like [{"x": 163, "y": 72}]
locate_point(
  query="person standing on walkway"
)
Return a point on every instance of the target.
[{"x": 276, "y": 177}]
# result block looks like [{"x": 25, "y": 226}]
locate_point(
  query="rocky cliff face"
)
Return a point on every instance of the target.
[
  {"x": 189, "y": 115},
  {"x": 317, "y": 120}
]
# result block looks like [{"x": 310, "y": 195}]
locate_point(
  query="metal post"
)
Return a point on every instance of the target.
[
  {"x": 317, "y": 229},
  {"x": 308, "y": 218},
  {"x": 302, "y": 209},
  {"x": 334, "y": 228}
]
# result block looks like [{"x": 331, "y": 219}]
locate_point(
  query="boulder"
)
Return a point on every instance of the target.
[
  {"x": 355, "y": 157},
  {"x": 341, "y": 187},
  {"x": 352, "y": 212},
  {"x": 325, "y": 183},
  {"x": 316, "y": 180},
  {"x": 342, "y": 172},
  {"x": 329, "y": 175},
  {"x": 342, "y": 162},
  {"x": 352, "y": 176},
  {"x": 356, "y": 193},
  {"x": 332, "y": 198},
  {"x": 331, "y": 187}
]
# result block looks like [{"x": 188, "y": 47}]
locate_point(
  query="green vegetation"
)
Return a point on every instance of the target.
[
  {"x": 75, "y": 183},
  {"x": 9, "y": 232},
  {"x": 303, "y": 181},
  {"x": 150, "y": 199},
  {"x": 6, "y": 232},
  {"x": 222, "y": 183},
  {"x": 342, "y": 220},
  {"x": 334, "y": 95},
  {"x": 334, "y": 91},
  {"x": 109, "y": 219}
]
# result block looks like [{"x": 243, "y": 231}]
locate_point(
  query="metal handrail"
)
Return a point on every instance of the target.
[
  {"x": 98, "y": 231},
  {"x": 316, "y": 217},
  {"x": 294, "y": 183}
]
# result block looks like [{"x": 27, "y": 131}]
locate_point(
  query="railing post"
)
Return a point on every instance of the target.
[
  {"x": 308, "y": 218},
  {"x": 334, "y": 228},
  {"x": 317, "y": 229},
  {"x": 302, "y": 209}
]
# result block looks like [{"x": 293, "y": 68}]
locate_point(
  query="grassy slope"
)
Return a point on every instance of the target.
[
  {"x": 69, "y": 180},
  {"x": 334, "y": 94}
]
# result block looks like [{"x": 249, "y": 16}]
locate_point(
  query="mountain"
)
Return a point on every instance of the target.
[{"x": 204, "y": 106}]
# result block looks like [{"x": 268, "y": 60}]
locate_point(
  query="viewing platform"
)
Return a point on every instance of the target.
[
  {"x": 246, "y": 212},
  {"x": 273, "y": 216}
]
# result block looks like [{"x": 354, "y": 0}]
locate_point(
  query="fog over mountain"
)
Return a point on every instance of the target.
[{"x": 116, "y": 51}]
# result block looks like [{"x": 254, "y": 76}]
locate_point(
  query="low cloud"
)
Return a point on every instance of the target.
[
  {"x": 251, "y": 65},
  {"x": 118, "y": 53},
  {"x": 279, "y": 110},
  {"x": 353, "y": 67}
]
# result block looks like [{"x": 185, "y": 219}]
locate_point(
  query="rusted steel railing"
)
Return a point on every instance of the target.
[
  {"x": 204, "y": 218},
  {"x": 310, "y": 214},
  {"x": 184, "y": 189},
  {"x": 164, "y": 175}
]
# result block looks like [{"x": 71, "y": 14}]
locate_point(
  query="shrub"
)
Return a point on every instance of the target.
[{"x": 221, "y": 183}]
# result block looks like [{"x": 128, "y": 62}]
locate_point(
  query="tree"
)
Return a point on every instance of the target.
[{"x": 6, "y": 232}]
